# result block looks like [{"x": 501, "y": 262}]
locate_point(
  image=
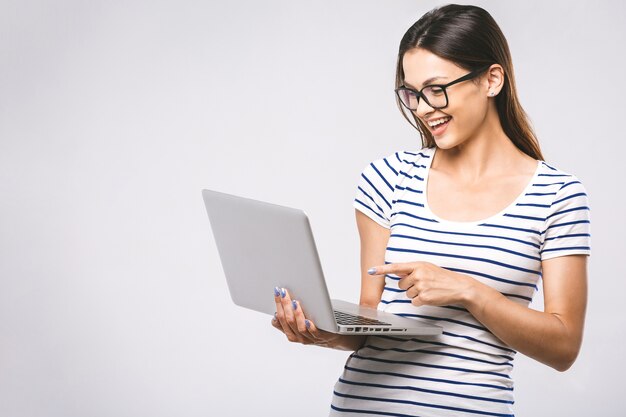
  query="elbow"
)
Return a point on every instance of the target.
[
  {"x": 565, "y": 361},
  {"x": 562, "y": 366},
  {"x": 566, "y": 348}
]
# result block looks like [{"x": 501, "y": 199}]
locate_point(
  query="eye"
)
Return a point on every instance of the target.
[
  {"x": 406, "y": 95},
  {"x": 434, "y": 91}
]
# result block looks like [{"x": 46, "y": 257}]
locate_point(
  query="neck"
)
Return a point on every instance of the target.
[{"x": 487, "y": 153}]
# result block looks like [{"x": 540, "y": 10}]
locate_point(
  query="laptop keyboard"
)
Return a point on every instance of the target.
[{"x": 352, "y": 319}]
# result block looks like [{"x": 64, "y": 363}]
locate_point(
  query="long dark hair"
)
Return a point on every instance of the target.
[{"x": 471, "y": 38}]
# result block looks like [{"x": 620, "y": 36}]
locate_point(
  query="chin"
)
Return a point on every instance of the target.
[
  {"x": 446, "y": 142},
  {"x": 450, "y": 140}
]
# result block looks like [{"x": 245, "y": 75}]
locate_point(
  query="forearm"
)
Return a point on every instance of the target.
[{"x": 543, "y": 336}]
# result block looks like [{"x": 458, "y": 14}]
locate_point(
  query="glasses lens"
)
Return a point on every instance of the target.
[
  {"x": 408, "y": 98},
  {"x": 435, "y": 96}
]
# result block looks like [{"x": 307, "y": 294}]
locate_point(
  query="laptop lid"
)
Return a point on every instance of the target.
[{"x": 262, "y": 246}]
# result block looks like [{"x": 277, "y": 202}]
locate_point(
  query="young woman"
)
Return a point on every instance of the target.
[{"x": 460, "y": 233}]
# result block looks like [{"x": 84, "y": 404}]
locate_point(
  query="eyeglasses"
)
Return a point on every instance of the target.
[{"x": 434, "y": 95}]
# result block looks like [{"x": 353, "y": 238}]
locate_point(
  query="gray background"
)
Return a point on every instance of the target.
[{"x": 115, "y": 114}]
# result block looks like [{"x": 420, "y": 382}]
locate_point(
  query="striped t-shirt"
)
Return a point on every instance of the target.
[{"x": 466, "y": 370}]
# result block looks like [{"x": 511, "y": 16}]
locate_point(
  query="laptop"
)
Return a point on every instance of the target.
[{"x": 263, "y": 245}]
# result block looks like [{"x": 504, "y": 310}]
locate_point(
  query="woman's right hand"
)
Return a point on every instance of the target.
[{"x": 290, "y": 320}]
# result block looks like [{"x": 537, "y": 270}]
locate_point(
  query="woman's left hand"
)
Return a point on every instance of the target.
[{"x": 429, "y": 284}]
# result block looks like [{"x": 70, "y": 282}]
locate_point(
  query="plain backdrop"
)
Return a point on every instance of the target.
[{"x": 115, "y": 114}]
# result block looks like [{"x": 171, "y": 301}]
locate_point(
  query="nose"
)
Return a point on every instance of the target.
[{"x": 423, "y": 108}]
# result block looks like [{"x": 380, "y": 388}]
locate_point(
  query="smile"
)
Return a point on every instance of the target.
[{"x": 437, "y": 122}]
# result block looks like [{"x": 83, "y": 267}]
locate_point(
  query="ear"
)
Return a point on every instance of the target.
[{"x": 495, "y": 80}]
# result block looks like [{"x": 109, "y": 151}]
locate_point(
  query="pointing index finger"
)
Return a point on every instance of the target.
[{"x": 398, "y": 269}]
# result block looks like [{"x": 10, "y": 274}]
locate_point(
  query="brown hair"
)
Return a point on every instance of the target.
[{"x": 471, "y": 38}]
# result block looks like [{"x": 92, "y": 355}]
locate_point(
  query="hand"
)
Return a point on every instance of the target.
[
  {"x": 290, "y": 320},
  {"x": 429, "y": 284}
]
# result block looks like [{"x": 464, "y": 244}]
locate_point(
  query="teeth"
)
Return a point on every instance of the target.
[{"x": 438, "y": 121}]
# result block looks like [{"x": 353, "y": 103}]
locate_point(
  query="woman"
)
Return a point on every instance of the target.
[{"x": 459, "y": 234}]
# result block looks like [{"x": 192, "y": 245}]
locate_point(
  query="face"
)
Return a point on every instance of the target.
[{"x": 468, "y": 103}]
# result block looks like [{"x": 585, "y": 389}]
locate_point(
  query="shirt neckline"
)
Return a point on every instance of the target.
[{"x": 475, "y": 222}]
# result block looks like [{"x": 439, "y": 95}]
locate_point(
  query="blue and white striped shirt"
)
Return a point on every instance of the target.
[{"x": 466, "y": 370}]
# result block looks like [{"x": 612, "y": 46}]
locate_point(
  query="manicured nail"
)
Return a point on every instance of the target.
[
  {"x": 276, "y": 291},
  {"x": 283, "y": 293},
  {"x": 371, "y": 271},
  {"x": 307, "y": 324},
  {"x": 294, "y": 304}
]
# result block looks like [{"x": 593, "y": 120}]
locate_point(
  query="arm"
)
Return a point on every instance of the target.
[
  {"x": 374, "y": 239},
  {"x": 292, "y": 322},
  {"x": 552, "y": 336}
]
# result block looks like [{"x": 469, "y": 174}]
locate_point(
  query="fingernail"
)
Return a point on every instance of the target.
[
  {"x": 283, "y": 293},
  {"x": 275, "y": 316},
  {"x": 294, "y": 304},
  {"x": 371, "y": 271},
  {"x": 307, "y": 324},
  {"x": 276, "y": 291}
]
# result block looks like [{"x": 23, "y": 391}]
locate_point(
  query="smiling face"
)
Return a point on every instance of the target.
[{"x": 468, "y": 112}]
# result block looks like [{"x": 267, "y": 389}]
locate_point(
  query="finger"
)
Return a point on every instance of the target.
[
  {"x": 412, "y": 292},
  {"x": 289, "y": 317},
  {"x": 313, "y": 330},
  {"x": 279, "y": 305},
  {"x": 290, "y": 336},
  {"x": 407, "y": 282},
  {"x": 417, "y": 302},
  {"x": 281, "y": 315},
  {"x": 301, "y": 320},
  {"x": 397, "y": 269},
  {"x": 276, "y": 323}
]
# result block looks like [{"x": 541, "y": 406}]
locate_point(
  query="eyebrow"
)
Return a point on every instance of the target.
[{"x": 428, "y": 81}]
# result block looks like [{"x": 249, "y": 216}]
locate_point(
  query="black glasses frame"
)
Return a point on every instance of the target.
[{"x": 418, "y": 93}]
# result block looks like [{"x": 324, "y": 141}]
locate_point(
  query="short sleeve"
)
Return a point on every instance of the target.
[
  {"x": 374, "y": 194},
  {"x": 567, "y": 226}
]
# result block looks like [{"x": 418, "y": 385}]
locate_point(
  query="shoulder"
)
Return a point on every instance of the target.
[
  {"x": 392, "y": 165},
  {"x": 379, "y": 180},
  {"x": 568, "y": 203},
  {"x": 567, "y": 218},
  {"x": 563, "y": 184}
]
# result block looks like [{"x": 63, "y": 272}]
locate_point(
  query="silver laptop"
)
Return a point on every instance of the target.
[{"x": 263, "y": 245}]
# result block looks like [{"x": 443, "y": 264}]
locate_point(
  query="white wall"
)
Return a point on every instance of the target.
[{"x": 115, "y": 114}]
